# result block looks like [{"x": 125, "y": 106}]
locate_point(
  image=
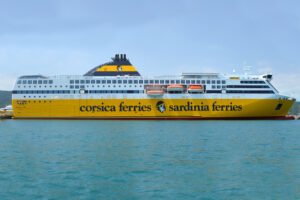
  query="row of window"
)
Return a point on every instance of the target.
[
  {"x": 132, "y": 91},
  {"x": 87, "y": 86},
  {"x": 137, "y": 82},
  {"x": 75, "y": 91},
  {"x": 252, "y": 82},
  {"x": 35, "y": 82},
  {"x": 248, "y": 86},
  {"x": 218, "y": 86},
  {"x": 147, "y": 82},
  {"x": 41, "y": 92},
  {"x": 126, "y": 82},
  {"x": 114, "y": 91},
  {"x": 213, "y": 91},
  {"x": 250, "y": 91}
]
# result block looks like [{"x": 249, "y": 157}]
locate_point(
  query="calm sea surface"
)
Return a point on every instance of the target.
[{"x": 131, "y": 160}]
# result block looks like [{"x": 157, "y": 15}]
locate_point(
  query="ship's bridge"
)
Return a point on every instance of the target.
[{"x": 119, "y": 66}]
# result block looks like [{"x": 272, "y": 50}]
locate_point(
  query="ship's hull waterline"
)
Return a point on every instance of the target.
[{"x": 147, "y": 109}]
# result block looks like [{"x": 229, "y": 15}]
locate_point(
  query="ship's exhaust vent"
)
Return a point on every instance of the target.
[{"x": 120, "y": 57}]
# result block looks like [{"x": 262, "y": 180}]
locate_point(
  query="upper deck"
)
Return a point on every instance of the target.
[{"x": 120, "y": 77}]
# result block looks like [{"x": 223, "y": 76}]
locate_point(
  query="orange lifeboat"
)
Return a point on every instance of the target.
[
  {"x": 175, "y": 88},
  {"x": 155, "y": 92},
  {"x": 195, "y": 89}
]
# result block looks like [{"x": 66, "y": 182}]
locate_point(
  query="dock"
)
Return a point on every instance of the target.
[{"x": 6, "y": 114}]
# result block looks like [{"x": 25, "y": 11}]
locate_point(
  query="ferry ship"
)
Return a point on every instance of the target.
[{"x": 116, "y": 90}]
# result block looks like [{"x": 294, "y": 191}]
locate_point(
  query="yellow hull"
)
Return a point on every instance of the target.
[{"x": 151, "y": 108}]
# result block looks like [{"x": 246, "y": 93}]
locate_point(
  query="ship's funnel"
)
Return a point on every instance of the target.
[{"x": 113, "y": 68}]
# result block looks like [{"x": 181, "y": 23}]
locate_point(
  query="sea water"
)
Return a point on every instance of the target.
[{"x": 120, "y": 160}]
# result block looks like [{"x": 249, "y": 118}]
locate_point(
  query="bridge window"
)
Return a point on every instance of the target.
[{"x": 252, "y": 82}]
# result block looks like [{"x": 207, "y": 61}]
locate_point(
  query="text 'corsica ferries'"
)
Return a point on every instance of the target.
[{"x": 116, "y": 90}]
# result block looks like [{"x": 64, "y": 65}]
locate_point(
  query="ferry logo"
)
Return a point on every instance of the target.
[
  {"x": 119, "y": 68},
  {"x": 161, "y": 107}
]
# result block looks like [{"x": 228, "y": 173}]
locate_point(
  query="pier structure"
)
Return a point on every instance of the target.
[{"x": 6, "y": 114}]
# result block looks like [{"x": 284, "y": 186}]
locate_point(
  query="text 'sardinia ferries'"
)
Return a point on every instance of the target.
[{"x": 116, "y": 90}]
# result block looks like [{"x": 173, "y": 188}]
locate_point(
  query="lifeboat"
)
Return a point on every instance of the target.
[
  {"x": 195, "y": 89},
  {"x": 155, "y": 93},
  {"x": 154, "y": 90},
  {"x": 175, "y": 88}
]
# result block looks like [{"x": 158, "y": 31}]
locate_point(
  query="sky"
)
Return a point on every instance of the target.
[{"x": 160, "y": 37}]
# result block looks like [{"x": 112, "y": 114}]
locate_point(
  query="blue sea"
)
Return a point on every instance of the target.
[{"x": 128, "y": 160}]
